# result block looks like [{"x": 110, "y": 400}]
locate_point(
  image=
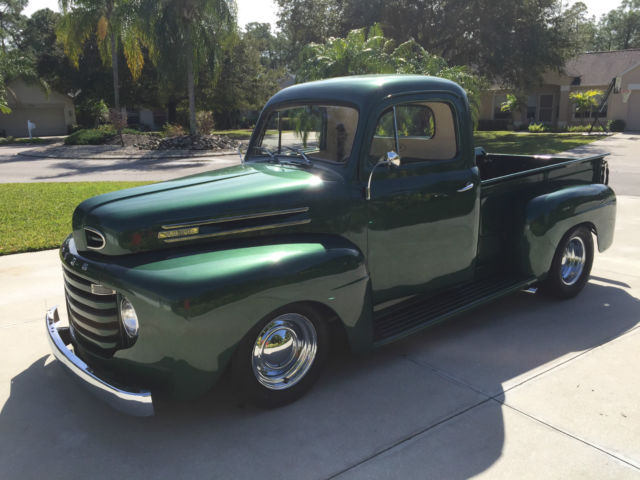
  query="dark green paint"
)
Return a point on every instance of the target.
[{"x": 196, "y": 299}]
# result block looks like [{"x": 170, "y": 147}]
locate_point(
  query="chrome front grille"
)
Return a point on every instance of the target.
[{"x": 93, "y": 318}]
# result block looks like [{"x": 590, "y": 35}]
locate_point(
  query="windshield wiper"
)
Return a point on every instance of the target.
[
  {"x": 272, "y": 157},
  {"x": 301, "y": 153}
]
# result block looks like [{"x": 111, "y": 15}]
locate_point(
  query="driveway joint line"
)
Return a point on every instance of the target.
[
  {"x": 447, "y": 376},
  {"x": 407, "y": 439},
  {"x": 570, "y": 435},
  {"x": 571, "y": 359}
]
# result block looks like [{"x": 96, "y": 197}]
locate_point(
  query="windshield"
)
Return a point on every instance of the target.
[{"x": 307, "y": 132}]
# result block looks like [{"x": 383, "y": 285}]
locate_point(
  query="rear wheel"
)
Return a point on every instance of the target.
[
  {"x": 281, "y": 357},
  {"x": 571, "y": 264}
]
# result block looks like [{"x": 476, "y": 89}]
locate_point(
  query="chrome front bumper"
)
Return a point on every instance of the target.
[{"x": 139, "y": 404}]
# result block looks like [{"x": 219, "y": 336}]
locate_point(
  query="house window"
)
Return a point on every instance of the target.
[
  {"x": 498, "y": 100},
  {"x": 546, "y": 108},
  {"x": 532, "y": 108}
]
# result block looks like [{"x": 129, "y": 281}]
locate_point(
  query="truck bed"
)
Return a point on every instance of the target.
[
  {"x": 509, "y": 182},
  {"x": 496, "y": 168}
]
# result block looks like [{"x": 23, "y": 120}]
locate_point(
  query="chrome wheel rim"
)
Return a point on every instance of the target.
[
  {"x": 573, "y": 259},
  {"x": 284, "y": 351}
]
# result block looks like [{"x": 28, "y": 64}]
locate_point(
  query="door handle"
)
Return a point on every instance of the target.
[{"x": 467, "y": 187}]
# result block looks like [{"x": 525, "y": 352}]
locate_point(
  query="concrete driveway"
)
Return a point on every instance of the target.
[{"x": 526, "y": 387}]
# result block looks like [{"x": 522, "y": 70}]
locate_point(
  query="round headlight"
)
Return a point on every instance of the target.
[{"x": 129, "y": 318}]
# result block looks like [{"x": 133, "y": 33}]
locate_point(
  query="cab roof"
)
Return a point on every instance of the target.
[{"x": 362, "y": 90}]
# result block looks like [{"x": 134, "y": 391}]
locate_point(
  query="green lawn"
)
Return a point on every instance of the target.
[
  {"x": 531, "y": 143},
  {"x": 37, "y": 216}
]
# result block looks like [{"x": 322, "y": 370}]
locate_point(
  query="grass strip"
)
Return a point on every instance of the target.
[{"x": 37, "y": 216}]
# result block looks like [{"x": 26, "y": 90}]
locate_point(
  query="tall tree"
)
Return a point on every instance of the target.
[
  {"x": 511, "y": 42},
  {"x": 14, "y": 62},
  {"x": 186, "y": 35},
  {"x": 620, "y": 28},
  {"x": 113, "y": 23},
  {"x": 11, "y": 21},
  {"x": 365, "y": 51}
]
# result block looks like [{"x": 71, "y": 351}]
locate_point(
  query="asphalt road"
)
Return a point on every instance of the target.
[
  {"x": 624, "y": 160},
  {"x": 624, "y": 163},
  {"x": 15, "y": 168}
]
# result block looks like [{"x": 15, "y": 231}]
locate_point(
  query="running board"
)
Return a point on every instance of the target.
[{"x": 422, "y": 311}]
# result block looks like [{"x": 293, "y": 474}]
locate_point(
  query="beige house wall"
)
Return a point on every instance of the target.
[
  {"x": 560, "y": 86},
  {"x": 53, "y": 114}
]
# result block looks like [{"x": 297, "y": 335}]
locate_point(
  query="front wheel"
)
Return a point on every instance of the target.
[
  {"x": 571, "y": 264},
  {"x": 281, "y": 357}
]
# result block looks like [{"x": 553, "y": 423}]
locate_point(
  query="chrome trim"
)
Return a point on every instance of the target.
[
  {"x": 573, "y": 260},
  {"x": 101, "y": 290},
  {"x": 238, "y": 230},
  {"x": 104, "y": 241},
  {"x": 284, "y": 351},
  {"x": 179, "y": 232},
  {"x": 466, "y": 188},
  {"x": 139, "y": 404},
  {"x": 530, "y": 290},
  {"x": 392, "y": 159},
  {"x": 238, "y": 218}
]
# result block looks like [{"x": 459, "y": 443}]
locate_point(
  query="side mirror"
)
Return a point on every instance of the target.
[{"x": 392, "y": 159}]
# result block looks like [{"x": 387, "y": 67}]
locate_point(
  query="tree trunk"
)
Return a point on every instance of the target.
[
  {"x": 193, "y": 128},
  {"x": 114, "y": 68}
]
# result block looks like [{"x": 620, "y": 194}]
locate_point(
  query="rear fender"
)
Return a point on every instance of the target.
[{"x": 549, "y": 217}]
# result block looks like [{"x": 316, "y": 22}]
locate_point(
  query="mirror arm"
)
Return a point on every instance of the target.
[{"x": 392, "y": 159}]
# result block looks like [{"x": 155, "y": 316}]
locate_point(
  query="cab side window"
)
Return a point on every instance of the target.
[{"x": 425, "y": 132}]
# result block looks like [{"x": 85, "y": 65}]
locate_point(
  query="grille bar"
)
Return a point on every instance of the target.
[{"x": 93, "y": 318}]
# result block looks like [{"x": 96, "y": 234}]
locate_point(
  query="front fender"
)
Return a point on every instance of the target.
[
  {"x": 549, "y": 217},
  {"x": 194, "y": 309}
]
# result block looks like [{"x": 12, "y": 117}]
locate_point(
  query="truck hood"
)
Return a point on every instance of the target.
[{"x": 246, "y": 200}]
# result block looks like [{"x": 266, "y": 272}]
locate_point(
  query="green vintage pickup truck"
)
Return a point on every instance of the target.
[{"x": 361, "y": 209}]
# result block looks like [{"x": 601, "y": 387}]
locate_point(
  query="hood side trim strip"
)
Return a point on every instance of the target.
[
  {"x": 237, "y": 218},
  {"x": 239, "y": 230}
]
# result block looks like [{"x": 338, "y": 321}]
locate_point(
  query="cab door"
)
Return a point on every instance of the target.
[{"x": 423, "y": 215}]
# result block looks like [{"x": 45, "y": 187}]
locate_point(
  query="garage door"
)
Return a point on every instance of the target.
[
  {"x": 633, "y": 118},
  {"x": 49, "y": 121}
]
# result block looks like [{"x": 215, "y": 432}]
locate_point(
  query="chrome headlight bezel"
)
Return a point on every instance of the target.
[{"x": 128, "y": 318}]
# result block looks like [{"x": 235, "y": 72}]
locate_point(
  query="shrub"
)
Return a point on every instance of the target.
[
  {"x": 91, "y": 136},
  {"x": 90, "y": 113},
  {"x": 204, "y": 120},
  {"x": 585, "y": 128},
  {"x": 494, "y": 125},
  {"x": 539, "y": 128},
  {"x": 172, "y": 130},
  {"x": 616, "y": 125}
]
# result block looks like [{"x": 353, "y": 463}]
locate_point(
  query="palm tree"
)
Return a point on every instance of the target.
[
  {"x": 186, "y": 34},
  {"x": 113, "y": 22},
  {"x": 366, "y": 50}
]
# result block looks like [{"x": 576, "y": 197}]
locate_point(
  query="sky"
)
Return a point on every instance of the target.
[{"x": 266, "y": 11}]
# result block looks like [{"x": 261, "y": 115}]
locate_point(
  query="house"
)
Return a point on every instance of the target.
[
  {"x": 52, "y": 114},
  {"x": 549, "y": 103}
]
